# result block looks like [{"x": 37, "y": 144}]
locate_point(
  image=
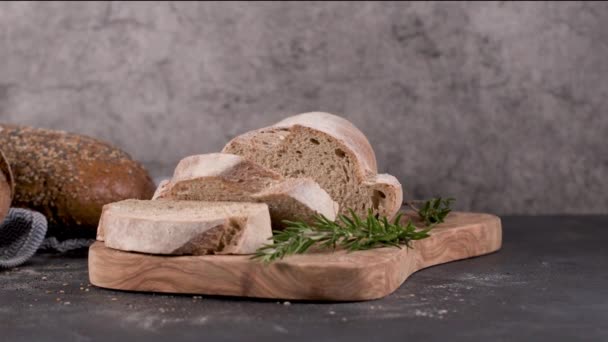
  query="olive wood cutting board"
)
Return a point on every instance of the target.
[{"x": 333, "y": 276}]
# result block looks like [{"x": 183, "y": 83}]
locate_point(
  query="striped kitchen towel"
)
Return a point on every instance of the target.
[{"x": 21, "y": 233}]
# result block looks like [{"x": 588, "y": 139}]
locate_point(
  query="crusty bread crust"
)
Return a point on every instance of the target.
[
  {"x": 7, "y": 186},
  {"x": 69, "y": 177},
  {"x": 388, "y": 186},
  {"x": 309, "y": 197},
  {"x": 228, "y": 166}
]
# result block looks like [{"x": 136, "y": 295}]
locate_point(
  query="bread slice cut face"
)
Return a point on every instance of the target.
[
  {"x": 331, "y": 151},
  {"x": 228, "y": 177}
]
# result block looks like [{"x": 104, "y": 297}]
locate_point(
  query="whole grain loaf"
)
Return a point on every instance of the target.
[
  {"x": 330, "y": 150},
  {"x": 69, "y": 177}
]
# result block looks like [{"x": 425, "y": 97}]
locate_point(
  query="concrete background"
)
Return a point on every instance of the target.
[{"x": 501, "y": 105}]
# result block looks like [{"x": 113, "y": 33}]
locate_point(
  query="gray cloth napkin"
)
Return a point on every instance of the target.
[
  {"x": 51, "y": 244},
  {"x": 21, "y": 234}
]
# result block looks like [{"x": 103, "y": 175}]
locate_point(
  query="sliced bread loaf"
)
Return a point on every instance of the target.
[
  {"x": 331, "y": 151},
  {"x": 228, "y": 177},
  {"x": 185, "y": 227}
]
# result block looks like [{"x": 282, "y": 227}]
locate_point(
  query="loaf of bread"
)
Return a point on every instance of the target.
[
  {"x": 185, "y": 227},
  {"x": 227, "y": 177},
  {"x": 6, "y": 186},
  {"x": 331, "y": 151},
  {"x": 69, "y": 177}
]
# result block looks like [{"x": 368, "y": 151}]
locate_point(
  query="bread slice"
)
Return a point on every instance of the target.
[
  {"x": 227, "y": 177},
  {"x": 185, "y": 227},
  {"x": 216, "y": 177},
  {"x": 296, "y": 200},
  {"x": 331, "y": 151}
]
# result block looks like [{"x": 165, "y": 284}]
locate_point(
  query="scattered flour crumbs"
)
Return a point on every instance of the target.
[
  {"x": 440, "y": 300},
  {"x": 279, "y": 328},
  {"x": 431, "y": 313},
  {"x": 152, "y": 322}
]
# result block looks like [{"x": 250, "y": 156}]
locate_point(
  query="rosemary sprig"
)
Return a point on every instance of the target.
[
  {"x": 349, "y": 232},
  {"x": 433, "y": 211}
]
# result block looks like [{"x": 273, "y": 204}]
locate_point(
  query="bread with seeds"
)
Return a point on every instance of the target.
[
  {"x": 330, "y": 150},
  {"x": 69, "y": 177}
]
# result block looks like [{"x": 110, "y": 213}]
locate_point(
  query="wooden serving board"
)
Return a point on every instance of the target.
[{"x": 335, "y": 276}]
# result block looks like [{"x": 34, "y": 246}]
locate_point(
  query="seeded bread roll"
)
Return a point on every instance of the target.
[
  {"x": 330, "y": 150},
  {"x": 185, "y": 227},
  {"x": 6, "y": 186},
  {"x": 227, "y": 177},
  {"x": 69, "y": 177}
]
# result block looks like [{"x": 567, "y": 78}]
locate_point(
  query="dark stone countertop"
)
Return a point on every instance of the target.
[{"x": 549, "y": 282}]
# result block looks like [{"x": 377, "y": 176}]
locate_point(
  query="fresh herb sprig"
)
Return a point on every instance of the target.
[
  {"x": 349, "y": 232},
  {"x": 433, "y": 211}
]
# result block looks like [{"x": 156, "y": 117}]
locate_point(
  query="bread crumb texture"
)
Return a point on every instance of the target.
[{"x": 328, "y": 149}]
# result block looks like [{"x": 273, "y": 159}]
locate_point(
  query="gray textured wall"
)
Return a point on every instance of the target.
[{"x": 502, "y": 105}]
